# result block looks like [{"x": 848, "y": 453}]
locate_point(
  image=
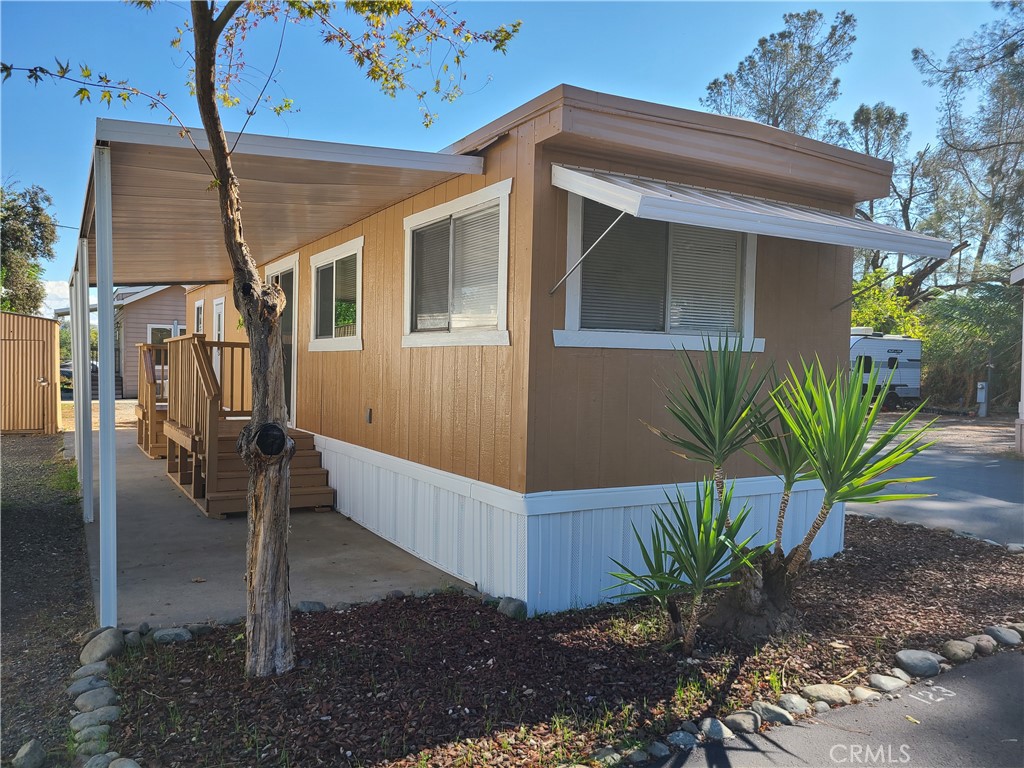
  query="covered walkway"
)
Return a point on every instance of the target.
[{"x": 175, "y": 566}]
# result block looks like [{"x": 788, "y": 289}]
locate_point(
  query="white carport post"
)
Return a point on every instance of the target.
[
  {"x": 76, "y": 364},
  {"x": 105, "y": 315},
  {"x": 82, "y": 370}
]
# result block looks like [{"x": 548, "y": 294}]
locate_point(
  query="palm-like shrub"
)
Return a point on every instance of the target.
[
  {"x": 832, "y": 420},
  {"x": 782, "y": 454},
  {"x": 687, "y": 556},
  {"x": 714, "y": 403}
]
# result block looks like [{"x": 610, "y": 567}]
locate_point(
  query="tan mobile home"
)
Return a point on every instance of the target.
[
  {"x": 477, "y": 357},
  {"x": 30, "y": 372}
]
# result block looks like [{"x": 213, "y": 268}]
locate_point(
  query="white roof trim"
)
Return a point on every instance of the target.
[
  {"x": 682, "y": 204},
  {"x": 150, "y": 134},
  {"x": 1017, "y": 275}
]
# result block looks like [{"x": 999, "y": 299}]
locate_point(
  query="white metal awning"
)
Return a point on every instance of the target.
[{"x": 682, "y": 204}]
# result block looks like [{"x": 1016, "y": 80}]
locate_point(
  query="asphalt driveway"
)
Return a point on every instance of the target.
[{"x": 979, "y": 493}]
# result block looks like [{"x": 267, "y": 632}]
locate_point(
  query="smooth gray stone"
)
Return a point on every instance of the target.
[
  {"x": 31, "y": 755},
  {"x": 90, "y": 748},
  {"x": 1017, "y": 626},
  {"x": 657, "y": 749},
  {"x": 132, "y": 639},
  {"x": 96, "y": 698},
  {"x": 819, "y": 707},
  {"x": 93, "y": 733},
  {"x": 715, "y": 730},
  {"x": 743, "y": 721},
  {"x": 199, "y": 630},
  {"x": 690, "y": 727},
  {"x": 84, "y": 638},
  {"x": 862, "y": 694},
  {"x": 637, "y": 756},
  {"x": 96, "y": 717},
  {"x": 771, "y": 713},
  {"x": 124, "y": 762},
  {"x": 899, "y": 673},
  {"x": 96, "y": 669},
  {"x": 310, "y": 606},
  {"x": 342, "y": 606},
  {"x": 833, "y": 695},
  {"x": 1003, "y": 635},
  {"x": 682, "y": 739},
  {"x": 791, "y": 702},
  {"x": 984, "y": 645},
  {"x": 234, "y": 621},
  {"x": 98, "y": 761},
  {"x": 109, "y": 642},
  {"x": 395, "y": 594},
  {"x": 171, "y": 635},
  {"x": 957, "y": 650},
  {"x": 605, "y": 756},
  {"x": 918, "y": 663},
  {"x": 886, "y": 684},
  {"x": 513, "y": 608},
  {"x": 90, "y": 683}
]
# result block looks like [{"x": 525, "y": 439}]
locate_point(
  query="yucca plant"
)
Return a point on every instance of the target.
[
  {"x": 832, "y": 420},
  {"x": 714, "y": 403},
  {"x": 782, "y": 454},
  {"x": 687, "y": 556}
]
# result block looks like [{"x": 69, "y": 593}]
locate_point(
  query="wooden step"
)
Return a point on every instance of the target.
[
  {"x": 301, "y": 477},
  {"x": 224, "y": 503},
  {"x": 232, "y": 462}
]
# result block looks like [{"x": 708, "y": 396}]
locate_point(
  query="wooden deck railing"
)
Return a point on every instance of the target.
[
  {"x": 230, "y": 360},
  {"x": 152, "y": 374}
]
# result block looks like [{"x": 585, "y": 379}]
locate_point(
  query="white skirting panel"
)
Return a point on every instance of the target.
[{"x": 550, "y": 549}]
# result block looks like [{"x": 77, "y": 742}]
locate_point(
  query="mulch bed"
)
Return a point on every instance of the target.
[
  {"x": 444, "y": 680},
  {"x": 44, "y": 589}
]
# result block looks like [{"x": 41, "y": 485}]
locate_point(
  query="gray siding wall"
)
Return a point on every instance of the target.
[{"x": 161, "y": 308}]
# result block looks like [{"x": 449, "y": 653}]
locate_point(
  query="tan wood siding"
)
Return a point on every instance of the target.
[
  {"x": 588, "y": 407},
  {"x": 459, "y": 409},
  {"x": 29, "y": 374},
  {"x": 233, "y": 330},
  {"x": 162, "y": 308}
]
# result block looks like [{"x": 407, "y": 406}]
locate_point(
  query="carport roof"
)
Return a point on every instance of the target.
[{"x": 166, "y": 220}]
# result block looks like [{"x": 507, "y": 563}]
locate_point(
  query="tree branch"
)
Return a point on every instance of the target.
[{"x": 226, "y": 13}]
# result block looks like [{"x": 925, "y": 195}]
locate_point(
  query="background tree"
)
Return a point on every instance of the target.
[
  {"x": 27, "y": 236},
  {"x": 788, "y": 80},
  {"x": 390, "y": 41},
  {"x": 982, "y": 168}
]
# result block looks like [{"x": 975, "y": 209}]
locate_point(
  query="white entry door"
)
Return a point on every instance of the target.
[{"x": 218, "y": 333}]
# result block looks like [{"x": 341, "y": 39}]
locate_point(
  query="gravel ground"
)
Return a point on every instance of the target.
[
  {"x": 44, "y": 589},
  {"x": 124, "y": 414},
  {"x": 965, "y": 434}
]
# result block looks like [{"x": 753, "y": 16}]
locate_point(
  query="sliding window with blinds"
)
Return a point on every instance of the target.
[
  {"x": 654, "y": 276},
  {"x": 455, "y": 271}
]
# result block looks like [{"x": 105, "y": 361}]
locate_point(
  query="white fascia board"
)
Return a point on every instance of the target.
[
  {"x": 846, "y": 232},
  {"x": 130, "y": 132},
  {"x": 738, "y": 213},
  {"x": 152, "y": 290},
  {"x": 595, "y": 189},
  {"x": 1017, "y": 275}
]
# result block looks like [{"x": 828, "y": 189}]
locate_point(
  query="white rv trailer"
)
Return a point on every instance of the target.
[{"x": 887, "y": 353}]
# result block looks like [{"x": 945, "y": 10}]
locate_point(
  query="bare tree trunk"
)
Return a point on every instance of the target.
[
  {"x": 263, "y": 444},
  {"x": 799, "y": 555},
  {"x": 780, "y": 524},
  {"x": 690, "y": 632}
]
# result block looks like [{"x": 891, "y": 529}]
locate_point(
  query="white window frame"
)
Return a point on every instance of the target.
[
  {"x": 461, "y": 337},
  {"x": 198, "y": 308},
  {"x": 574, "y": 336},
  {"x": 151, "y": 326},
  {"x": 353, "y": 247}
]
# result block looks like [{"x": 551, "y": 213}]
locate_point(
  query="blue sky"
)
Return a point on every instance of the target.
[{"x": 665, "y": 52}]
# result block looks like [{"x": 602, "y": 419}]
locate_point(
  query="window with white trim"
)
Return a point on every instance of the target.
[
  {"x": 197, "y": 317},
  {"x": 337, "y": 301},
  {"x": 158, "y": 334},
  {"x": 457, "y": 271},
  {"x": 653, "y": 284}
]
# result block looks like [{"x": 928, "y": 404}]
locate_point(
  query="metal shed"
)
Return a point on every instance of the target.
[{"x": 29, "y": 374}]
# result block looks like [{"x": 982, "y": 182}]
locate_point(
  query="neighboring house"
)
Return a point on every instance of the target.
[
  {"x": 142, "y": 315},
  {"x": 29, "y": 374},
  {"x": 146, "y": 315},
  {"x": 480, "y": 411}
]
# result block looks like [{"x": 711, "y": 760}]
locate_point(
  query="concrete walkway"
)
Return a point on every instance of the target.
[{"x": 176, "y": 566}]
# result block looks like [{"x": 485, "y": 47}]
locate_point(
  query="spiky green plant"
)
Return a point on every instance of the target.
[
  {"x": 832, "y": 420},
  {"x": 714, "y": 404},
  {"x": 782, "y": 454},
  {"x": 687, "y": 556}
]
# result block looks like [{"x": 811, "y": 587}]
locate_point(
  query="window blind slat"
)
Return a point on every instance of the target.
[
  {"x": 430, "y": 276},
  {"x": 705, "y": 279},
  {"x": 475, "y": 269},
  {"x": 624, "y": 276}
]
